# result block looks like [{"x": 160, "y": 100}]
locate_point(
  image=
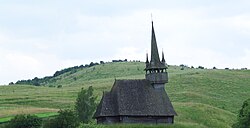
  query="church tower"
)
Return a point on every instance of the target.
[{"x": 156, "y": 70}]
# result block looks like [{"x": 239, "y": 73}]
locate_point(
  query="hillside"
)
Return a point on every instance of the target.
[{"x": 201, "y": 97}]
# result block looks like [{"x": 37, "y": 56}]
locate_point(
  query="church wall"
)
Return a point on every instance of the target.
[
  {"x": 108, "y": 120},
  {"x": 159, "y": 86},
  {"x": 138, "y": 120},
  {"x": 147, "y": 120},
  {"x": 157, "y": 77},
  {"x": 169, "y": 120},
  {"x": 132, "y": 119}
]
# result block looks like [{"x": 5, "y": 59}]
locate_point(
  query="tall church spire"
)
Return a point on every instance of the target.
[
  {"x": 156, "y": 71},
  {"x": 154, "y": 49},
  {"x": 155, "y": 63}
]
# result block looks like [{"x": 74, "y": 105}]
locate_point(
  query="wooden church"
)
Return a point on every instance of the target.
[{"x": 140, "y": 100}]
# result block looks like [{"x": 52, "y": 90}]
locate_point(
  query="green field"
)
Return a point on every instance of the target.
[{"x": 201, "y": 97}]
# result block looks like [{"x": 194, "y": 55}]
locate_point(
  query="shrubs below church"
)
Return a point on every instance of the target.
[
  {"x": 84, "y": 108},
  {"x": 65, "y": 119},
  {"x": 25, "y": 121}
]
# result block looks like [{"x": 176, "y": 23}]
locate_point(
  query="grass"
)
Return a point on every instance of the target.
[
  {"x": 5, "y": 119},
  {"x": 176, "y": 125},
  {"x": 45, "y": 115},
  {"x": 40, "y": 115},
  {"x": 202, "y": 98}
]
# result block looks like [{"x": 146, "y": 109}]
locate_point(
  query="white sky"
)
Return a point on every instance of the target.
[{"x": 39, "y": 37}]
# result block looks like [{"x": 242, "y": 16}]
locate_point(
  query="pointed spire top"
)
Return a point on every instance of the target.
[
  {"x": 154, "y": 49},
  {"x": 163, "y": 59},
  {"x": 147, "y": 58},
  {"x": 155, "y": 62}
]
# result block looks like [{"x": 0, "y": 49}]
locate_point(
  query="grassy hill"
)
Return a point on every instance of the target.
[{"x": 201, "y": 97}]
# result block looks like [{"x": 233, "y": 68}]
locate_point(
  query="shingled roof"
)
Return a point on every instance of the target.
[{"x": 134, "y": 98}]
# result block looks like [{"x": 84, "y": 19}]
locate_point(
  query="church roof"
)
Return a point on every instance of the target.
[
  {"x": 134, "y": 98},
  {"x": 155, "y": 62}
]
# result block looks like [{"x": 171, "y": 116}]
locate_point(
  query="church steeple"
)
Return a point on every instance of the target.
[
  {"x": 154, "y": 49},
  {"x": 155, "y": 63},
  {"x": 156, "y": 71}
]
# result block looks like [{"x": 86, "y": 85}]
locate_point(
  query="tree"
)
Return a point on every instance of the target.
[
  {"x": 101, "y": 62},
  {"x": 91, "y": 64},
  {"x": 244, "y": 116},
  {"x": 25, "y": 121},
  {"x": 65, "y": 119},
  {"x": 200, "y": 67},
  {"x": 182, "y": 65},
  {"x": 11, "y": 83},
  {"x": 59, "y": 86},
  {"x": 85, "y": 104}
]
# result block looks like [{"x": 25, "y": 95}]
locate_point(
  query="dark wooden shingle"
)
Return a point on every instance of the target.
[{"x": 135, "y": 98}]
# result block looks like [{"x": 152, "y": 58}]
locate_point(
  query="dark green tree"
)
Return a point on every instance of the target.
[
  {"x": 244, "y": 116},
  {"x": 85, "y": 104},
  {"x": 65, "y": 119},
  {"x": 11, "y": 83},
  {"x": 25, "y": 121},
  {"x": 200, "y": 67}
]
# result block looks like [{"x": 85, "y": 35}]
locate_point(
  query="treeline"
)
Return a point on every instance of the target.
[
  {"x": 120, "y": 60},
  {"x": 201, "y": 67},
  {"x": 74, "y": 69},
  {"x": 47, "y": 79},
  {"x": 42, "y": 81}
]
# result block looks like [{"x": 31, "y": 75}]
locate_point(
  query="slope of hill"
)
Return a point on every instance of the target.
[{"x": 201, "y": 97}]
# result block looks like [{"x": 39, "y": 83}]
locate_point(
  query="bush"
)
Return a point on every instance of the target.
[
  {"x": 65, "y": 119},
  {"x": 85, "y": 105},
  {"x": 101, "y": 62},
  {"x": 11, "y": 83},
  {"x": 25, "y": 121},
  {"x": 200, "y": 67},
  {"x": 51, "y": 86},
  {"x": 244, "y": 116},
  {"x": 182, "y": 68}
]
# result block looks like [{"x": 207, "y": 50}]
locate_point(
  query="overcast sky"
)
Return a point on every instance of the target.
[{"x": 39, "y": 37}]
